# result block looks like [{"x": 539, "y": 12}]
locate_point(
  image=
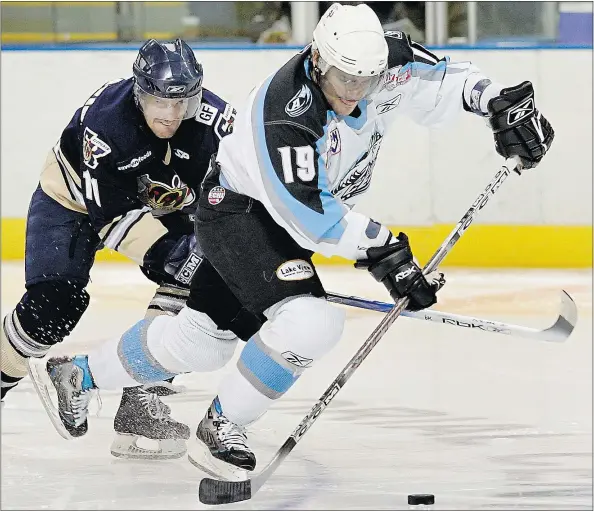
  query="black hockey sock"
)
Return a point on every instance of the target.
[{"x": 8, "y": 382}]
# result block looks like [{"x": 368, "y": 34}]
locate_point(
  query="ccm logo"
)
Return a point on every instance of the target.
[{"x": 186, "y": 272}]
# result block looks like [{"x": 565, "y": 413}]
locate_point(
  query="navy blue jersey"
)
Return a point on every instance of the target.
[{"x": 135, "y": 186}]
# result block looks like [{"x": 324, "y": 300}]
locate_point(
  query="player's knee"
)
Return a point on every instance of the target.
[
  {"x": 298, "y": 333},
  {"x": 190, "y": 341},
  {"x": 308, "y": 326},
  {"x": 46, "y": 314}
]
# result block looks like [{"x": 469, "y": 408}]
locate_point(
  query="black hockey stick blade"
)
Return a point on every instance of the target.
[{"x": 214, "y": 492}]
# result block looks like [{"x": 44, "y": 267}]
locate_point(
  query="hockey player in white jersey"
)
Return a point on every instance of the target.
[{"x": 283, "y": 186}]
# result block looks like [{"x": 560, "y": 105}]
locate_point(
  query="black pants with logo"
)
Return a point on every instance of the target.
[{"x": 256, "y": 258}]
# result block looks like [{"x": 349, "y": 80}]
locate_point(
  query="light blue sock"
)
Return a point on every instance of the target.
[{"x": 82, "y": 361}]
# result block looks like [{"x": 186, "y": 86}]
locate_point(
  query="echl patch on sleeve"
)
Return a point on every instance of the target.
[{"x": 93, "y": 148}]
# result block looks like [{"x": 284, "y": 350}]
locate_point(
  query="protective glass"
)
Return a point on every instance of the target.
[
  {"x": 350, "y": 87},
  {"x": 170, "y": 109}
]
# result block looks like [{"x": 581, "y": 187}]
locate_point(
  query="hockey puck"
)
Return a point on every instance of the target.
[{"x": 418, "y": 499}]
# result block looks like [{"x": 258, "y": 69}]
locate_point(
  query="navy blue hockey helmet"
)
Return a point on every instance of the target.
[{"x": 168, "y": 71}]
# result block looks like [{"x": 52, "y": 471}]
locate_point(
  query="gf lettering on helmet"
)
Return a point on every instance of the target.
[{"x": 189, "y": 268}]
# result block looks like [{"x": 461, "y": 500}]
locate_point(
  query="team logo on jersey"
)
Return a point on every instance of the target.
[
  {"x": 386, "y": 106},
  {"x": 164, "y": 196},
  {"x": 181, "y": 154},
  {"x": 358, "y": 177},
  {"x": 397, "y": 77},
  {"x": 296, "y": 269},
  {"x": 300, "y": 102},
  {"x": 93, "y": 148},
  {"x": 523, "y": 110},
  {"x": 216, "y": 195},
  {"x": 334, "y": 141}
]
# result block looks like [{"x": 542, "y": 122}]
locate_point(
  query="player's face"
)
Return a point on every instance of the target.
[
  {"x": 343, "y": 91},
  {"x": 163, "y": 116}
]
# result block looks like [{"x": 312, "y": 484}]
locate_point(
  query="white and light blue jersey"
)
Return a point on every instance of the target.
[{"x": 309, "y": 167}]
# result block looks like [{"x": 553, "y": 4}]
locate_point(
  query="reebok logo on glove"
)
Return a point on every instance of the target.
[
  {"x": 522, "y": 110},
  {"x": 403, "y": 274},
  {"x": 186, "y": 272}
]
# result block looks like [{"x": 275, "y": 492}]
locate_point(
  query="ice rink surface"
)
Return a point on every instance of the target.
[{"x": 481, "y": 420}]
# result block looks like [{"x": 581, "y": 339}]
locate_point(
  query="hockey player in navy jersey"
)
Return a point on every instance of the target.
[
  {"x": 125, "y": 175},
  {"x": 283, "y": 186}
]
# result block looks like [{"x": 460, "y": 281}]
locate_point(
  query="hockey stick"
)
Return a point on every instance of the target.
[
  {"x": 214, "y": 491},
  {"x": 558, "y": 332}
]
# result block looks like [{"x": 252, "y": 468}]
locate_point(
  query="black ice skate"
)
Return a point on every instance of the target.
[
  {"x": 143, "y": 414},
  {"x": 71, "y": 379},
  {"x": 220, "y": 447}
]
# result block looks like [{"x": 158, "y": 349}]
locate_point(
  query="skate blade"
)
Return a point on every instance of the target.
[
  {"x": 41, "y": 382},
  {"x": 125, "y": 446},
  {"x": 199, "y": 456}
]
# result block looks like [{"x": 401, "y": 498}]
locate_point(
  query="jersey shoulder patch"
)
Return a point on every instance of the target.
[
  {"x": 216, "y": 113},
  {"x": 293, "y": 98},
  {"x": 93, "y": 148}
]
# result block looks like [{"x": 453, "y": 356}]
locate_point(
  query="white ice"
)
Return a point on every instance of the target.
[{"x": 481, "y": 420}]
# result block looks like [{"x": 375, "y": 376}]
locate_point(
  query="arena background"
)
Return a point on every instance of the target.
[{"x": 55, "y": 54}]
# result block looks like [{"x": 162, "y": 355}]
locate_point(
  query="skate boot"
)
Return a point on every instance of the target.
[
  {"x": 220, "y": 447},
  {"x": 143, "y": 414},
  {"x": 71, "y": 379}
]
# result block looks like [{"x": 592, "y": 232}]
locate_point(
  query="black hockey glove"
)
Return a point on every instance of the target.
[
  {"x": 184, "y": 259},
  {"x": 519, "y": 128},
  {"x": 394, "y": 266}
]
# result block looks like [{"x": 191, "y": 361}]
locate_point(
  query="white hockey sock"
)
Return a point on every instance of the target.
[
  {"x": 126, "y": 361},
  {"x": 277, "y": 355},
  {"x": 157, "y": 348}
]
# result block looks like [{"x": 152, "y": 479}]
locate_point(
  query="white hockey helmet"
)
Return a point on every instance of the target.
[{"x": 350, "y": 39}]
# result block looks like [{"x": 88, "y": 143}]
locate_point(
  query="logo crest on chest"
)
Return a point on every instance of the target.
[{"x": 165, "y": 196}]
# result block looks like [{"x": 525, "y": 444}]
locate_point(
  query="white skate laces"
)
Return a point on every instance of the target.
[
  {"x": 80, "y": 406},
  {"x": 230, "y": 434},
  {"x": 155, "y": 407}
]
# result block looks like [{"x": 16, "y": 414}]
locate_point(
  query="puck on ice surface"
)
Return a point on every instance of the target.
[{"x": 421, "y": 499}]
